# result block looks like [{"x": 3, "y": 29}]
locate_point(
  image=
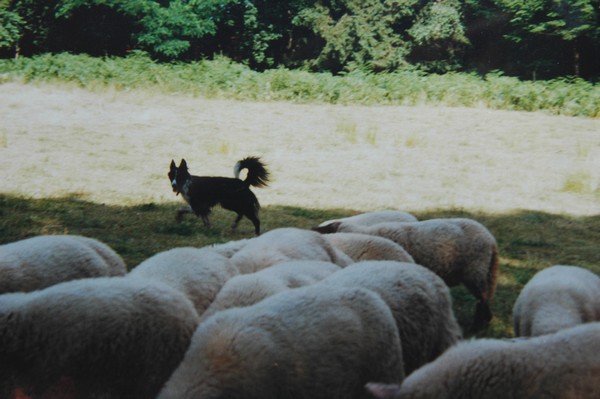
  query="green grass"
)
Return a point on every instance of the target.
[
  {"x": 225, "y": 79},
  {"x": 528, "y": 241}
]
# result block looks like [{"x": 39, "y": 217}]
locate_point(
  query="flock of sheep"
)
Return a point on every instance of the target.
[{"x": 359, "y": 308}]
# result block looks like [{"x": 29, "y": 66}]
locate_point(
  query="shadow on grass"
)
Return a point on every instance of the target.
[{"x": 528, "y": 240}]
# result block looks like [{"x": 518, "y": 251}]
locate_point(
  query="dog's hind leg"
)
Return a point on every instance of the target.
[{"x": 254, "y": 219}]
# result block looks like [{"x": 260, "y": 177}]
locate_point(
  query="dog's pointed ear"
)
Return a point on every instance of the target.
[
  {"x": 172, "y": 166},
  {"x": 183, "y": 164}
]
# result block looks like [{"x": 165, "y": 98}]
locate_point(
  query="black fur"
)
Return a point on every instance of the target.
[{"x": 204, "y": 192}]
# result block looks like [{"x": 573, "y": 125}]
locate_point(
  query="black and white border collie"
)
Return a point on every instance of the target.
[{"x": 204, "y": 192}]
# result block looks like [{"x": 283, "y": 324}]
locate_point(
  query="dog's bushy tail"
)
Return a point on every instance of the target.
[{"x": 258, "y": 176}]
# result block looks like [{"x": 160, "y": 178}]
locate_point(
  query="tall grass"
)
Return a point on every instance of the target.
[{"x": 225, "y": 79}]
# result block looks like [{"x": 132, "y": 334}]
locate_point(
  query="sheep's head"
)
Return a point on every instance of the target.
[{"x": 328, "y": 227}]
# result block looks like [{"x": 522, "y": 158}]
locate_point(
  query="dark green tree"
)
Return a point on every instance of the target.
[
  {"x": 385, "y": 34},
  {"x": 358, "y": 33},
  {"x": 438, "y": 36},
  {"x": 573, "y": 24},
  {"x": 11, "y": 30}
]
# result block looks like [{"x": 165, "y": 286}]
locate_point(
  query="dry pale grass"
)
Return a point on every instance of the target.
[{"x": 114, "y": 147}]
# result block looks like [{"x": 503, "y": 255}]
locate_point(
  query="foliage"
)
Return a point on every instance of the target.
[
  {"x": 11, "y": 26},
  {"x": 524, "y": 38},
  {"x": 570, "y": 27},
  {"x": 223, "y": 78},
  {"x": 362, "y": 36},
  {"x": 567, "y": 20},
  {"x": 439, "y": 36}
]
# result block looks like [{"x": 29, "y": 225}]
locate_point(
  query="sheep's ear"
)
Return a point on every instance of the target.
[
  {"x": 328, "y": 228},
  {"x": 385, "y": 391}
]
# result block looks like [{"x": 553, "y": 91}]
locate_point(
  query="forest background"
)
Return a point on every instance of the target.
[{"x": 532, "y": 39}]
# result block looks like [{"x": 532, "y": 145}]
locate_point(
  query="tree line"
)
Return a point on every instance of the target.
[{"x": 533, "y": 39}]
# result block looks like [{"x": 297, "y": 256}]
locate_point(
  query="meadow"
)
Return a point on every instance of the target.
[{"x": 92, "y": 160}]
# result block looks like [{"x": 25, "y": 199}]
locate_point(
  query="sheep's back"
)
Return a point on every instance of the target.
[
  {"x": 113, "y": 336},
  {"x": 198, "y": 273},
  {"x": 555, "y": 298},
  {"x": 285, "y": 244},
  {"x": 419, "y": 300},
  {"x": 41, "y": 261},
  {"x": 302, "y": 343},
  {"x": 561, "y": 365}
]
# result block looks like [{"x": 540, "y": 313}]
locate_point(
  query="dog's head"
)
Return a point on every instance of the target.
[{"x": 178, "y": 175}]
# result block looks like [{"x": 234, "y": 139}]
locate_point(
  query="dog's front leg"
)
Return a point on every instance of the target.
[
  {"x": 236, "y": 222},
  {"x": 182, "y": 211}
]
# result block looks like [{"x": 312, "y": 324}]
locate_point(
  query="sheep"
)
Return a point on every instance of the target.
[
  {"x": 458, "y": 250},
  {"x": 230, "y": 248},
  {"x": 113, "y": 337},
  {"x": 368, "y": 219},
  {"x": 248, "y": 289},
  {"x": 419, "y": 300},
  {"x": 555, "y": 298},
  {"x": 39, "y": 262},
  {"x": 199, "y": 273},
  {"x": 558, "y": 366},
  {"x": 360, "y": 247},
  {"x": 304, "y": 343},
  {"x": 283, "y": 244}
]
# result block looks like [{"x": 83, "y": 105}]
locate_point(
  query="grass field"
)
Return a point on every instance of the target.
[{"x": 95, "y": 163}]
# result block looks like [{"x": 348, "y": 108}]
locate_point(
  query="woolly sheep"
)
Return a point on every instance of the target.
[
  {"x": 305, "y": 343},
  {"x": 419, "y": 300},
  {"x": 360, "y": 247},
  {"x": 283, "y": 244},
  {"x": 458, "y": 250},
  {"x": 113, "y": 337},
  {"x": 230, "y": 248},
  {"x": 368, "y": 219},
  {"x": 198, "y": 273},
  {"x": 38, "y": 262},
  {"x": 558, "y": 366},
  {"x": 248, "y": 289},
  {"x": 556, "y": 298}
]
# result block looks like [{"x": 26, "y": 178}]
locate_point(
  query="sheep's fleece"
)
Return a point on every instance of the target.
[
  {"x": 555, "y": 298},
  {"x": 304, "y": 343},
  {"x": 197, "y": 272},
  {"x": 563, "y": 365},
  {"x": 114, "y": 337},
  {"x": 39, "y": 262},
  {"x": 419, "y": 300},
  {"x": 285, "y": 244}
]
